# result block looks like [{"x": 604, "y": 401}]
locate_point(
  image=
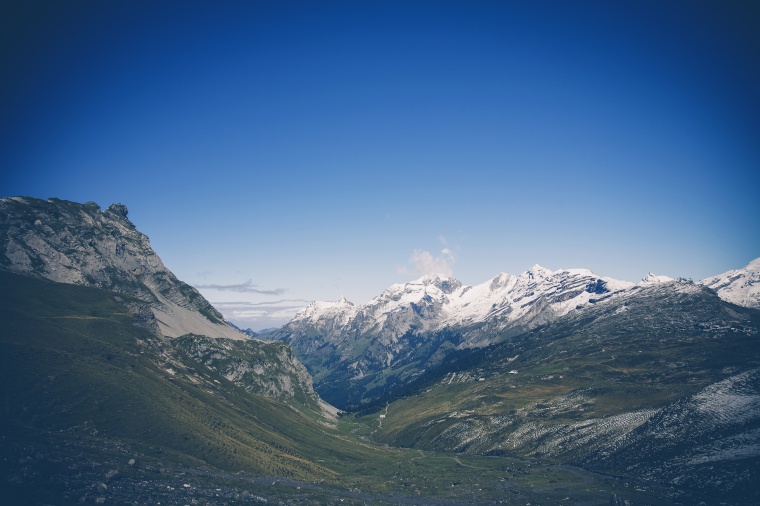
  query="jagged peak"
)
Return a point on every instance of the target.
[
  {"x": 428, "y": 279},
  {"x": 651, "y": 278},
  {"x": 446, "y": 284},
  {"x": 442, "y": 282},
  {"x": 118, "y": 209},
  {"x": 500, "y": 281},
  {"x": 317, "y": 308},
  {"x": 537, "y": 271},
  {"x": 579, "y": 272}
]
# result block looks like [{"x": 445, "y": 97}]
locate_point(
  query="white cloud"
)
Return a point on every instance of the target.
[
  {"x": 425, "y": 262},
  {"x": 259, "y": 315}
]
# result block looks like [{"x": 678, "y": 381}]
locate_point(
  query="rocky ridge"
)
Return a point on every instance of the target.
[
  {"x": 414, "y": 325},
  {"x": 739, "y": 286},
  {"x": 79, "y": 244}
]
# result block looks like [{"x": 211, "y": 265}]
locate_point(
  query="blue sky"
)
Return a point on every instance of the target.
[{"x": 279, "y": 152}]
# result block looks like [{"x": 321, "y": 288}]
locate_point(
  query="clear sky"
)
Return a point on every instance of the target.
[{"x": 279, "y": 152}]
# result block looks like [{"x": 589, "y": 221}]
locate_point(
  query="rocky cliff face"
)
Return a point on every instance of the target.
[
  {"x": 79, "y": 244},
  {"x": 268, "y": 369}
]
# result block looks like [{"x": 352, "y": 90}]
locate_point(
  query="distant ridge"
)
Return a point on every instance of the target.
[
  {"x": 740, "y": 286},
  {"x": 363, "y": 351}
]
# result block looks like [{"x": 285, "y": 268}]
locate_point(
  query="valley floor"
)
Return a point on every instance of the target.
[{"x": 85, "y": 469}]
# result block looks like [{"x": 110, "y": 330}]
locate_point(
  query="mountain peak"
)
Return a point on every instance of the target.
[
  {"x": 74, "y": 243},
  {"x": 651, "y": 279},
  {"x": 317, "y": 309},
  {"x": 538, "y": 271},
  {"x": 118, "y": 210},
  {"x": 739, "y": 286},
  {"x": 446, "y": 284},
  {"x": 432, "y": 278},
  {"x": 500, "y": 281}
]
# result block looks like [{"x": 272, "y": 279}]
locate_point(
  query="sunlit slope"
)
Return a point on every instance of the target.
[
  {"x": 76, "y": 362},
  {"x": 662, "y": 383}
]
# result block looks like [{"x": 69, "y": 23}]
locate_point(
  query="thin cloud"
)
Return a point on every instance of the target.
[
  {"x": 247, "y": 287},
  {"x": 273, "y": 303},
  {"x": 258, "y": 315}
]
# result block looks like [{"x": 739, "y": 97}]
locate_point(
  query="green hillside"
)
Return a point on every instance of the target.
[
  {"x": 96, "y": 408},
  {"x": 75, "y": 363},
  {"x": 662, "y": 386}
]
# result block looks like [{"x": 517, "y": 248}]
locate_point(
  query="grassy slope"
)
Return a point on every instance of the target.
[
  {"x": 73, "y": 358},
  {"x": 83, "y": 389},
  {"x": 579, "y": 372},
  {"x": 644, "y": 358}
]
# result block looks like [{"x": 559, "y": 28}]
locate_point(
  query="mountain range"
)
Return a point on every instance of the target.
[
  {"x": 122, "y": 384},
  {"x": 359, "y": 353},
  {"x": 658, "y": 382}
]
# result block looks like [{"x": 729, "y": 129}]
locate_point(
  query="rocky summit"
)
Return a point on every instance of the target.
[{"x": 80, "y": 244}]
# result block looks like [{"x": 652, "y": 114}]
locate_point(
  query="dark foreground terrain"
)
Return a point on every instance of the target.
[{"x": 97, "y": 409}]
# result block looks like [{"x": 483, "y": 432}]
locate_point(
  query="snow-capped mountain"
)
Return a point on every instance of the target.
[
  {"x": 651, "y": 279},
  {"x": 411, "y": 326},
  {"x": 739, "y": 286},
  {"x": 435, "y": 302},
  {"x": 659, "y": 380}
]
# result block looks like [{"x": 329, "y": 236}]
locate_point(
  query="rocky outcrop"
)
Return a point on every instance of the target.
[
  {"x": 79, "y": 244},
  {"x": 268, "y": 369}
]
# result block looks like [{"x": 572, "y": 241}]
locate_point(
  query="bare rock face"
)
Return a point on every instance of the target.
[
  {"x": 261, "y": 368},
  {"x": 79, "y": 244}
]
